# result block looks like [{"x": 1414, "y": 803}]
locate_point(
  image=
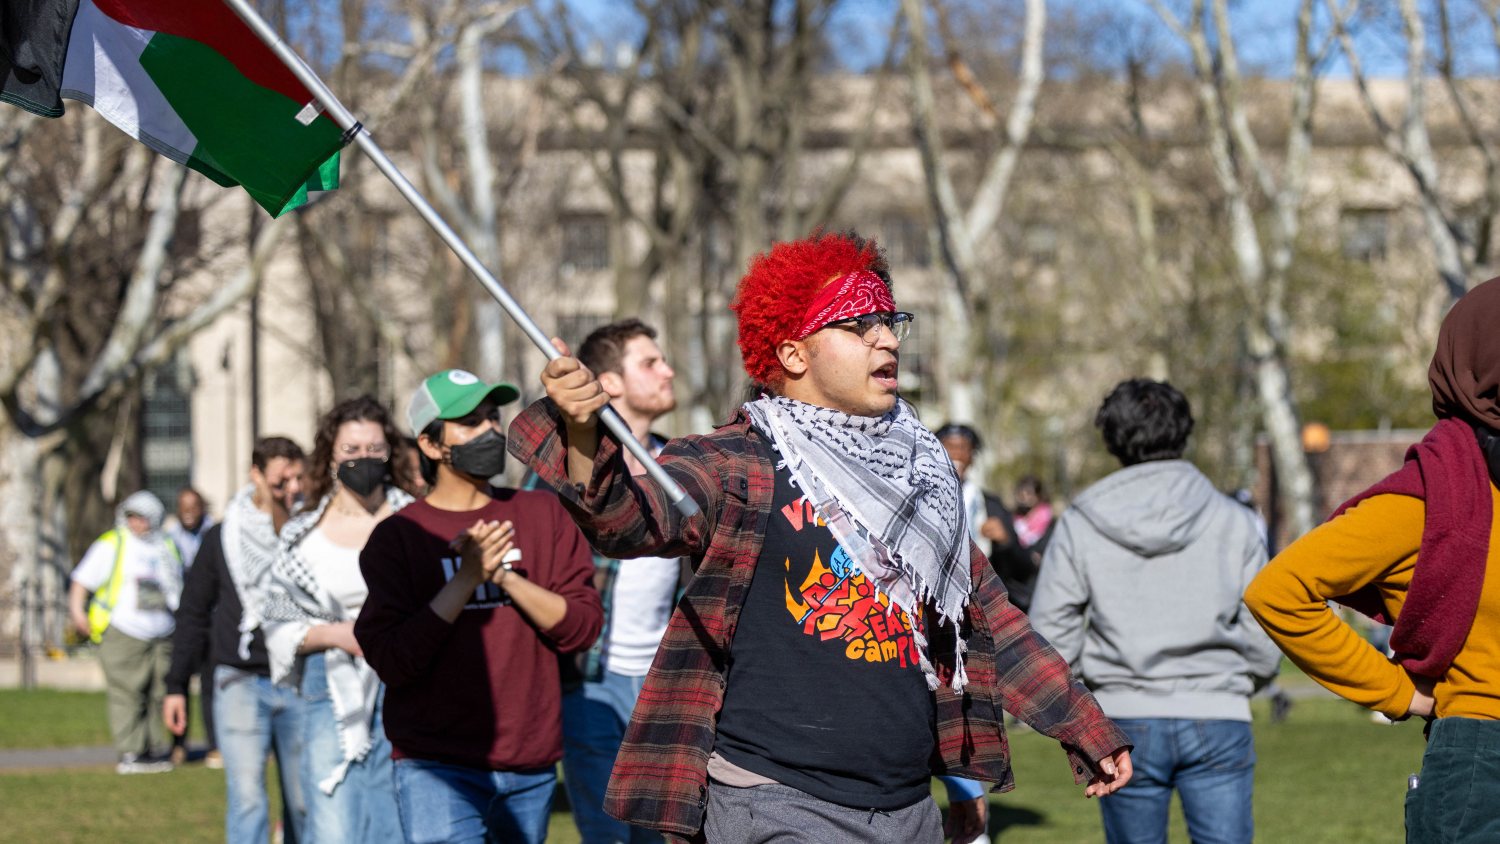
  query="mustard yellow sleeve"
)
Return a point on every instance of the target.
[{"x": 1290, "y": 599}]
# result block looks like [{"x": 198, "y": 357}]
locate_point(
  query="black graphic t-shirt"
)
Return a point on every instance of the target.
[{"x": 825, "y": 688}]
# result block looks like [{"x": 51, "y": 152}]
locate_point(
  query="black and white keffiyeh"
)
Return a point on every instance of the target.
[
  {"x": 250, "y": 543},
  {"x": 294, "y": 602},
  {"x": 889, "y": 495}
]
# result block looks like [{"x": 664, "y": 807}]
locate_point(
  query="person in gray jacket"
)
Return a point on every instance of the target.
[{"x": 1140, "y": 591}]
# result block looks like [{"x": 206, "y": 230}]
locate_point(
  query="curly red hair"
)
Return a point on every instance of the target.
[{"x": 780, "y": 285}]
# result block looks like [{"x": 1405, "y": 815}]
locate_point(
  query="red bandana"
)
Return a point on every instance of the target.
[{"x": 856, "y": 294}]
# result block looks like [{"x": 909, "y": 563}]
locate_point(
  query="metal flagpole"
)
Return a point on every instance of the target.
[{"x": 361, "y": 136}]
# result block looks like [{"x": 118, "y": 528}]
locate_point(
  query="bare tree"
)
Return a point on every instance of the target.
[
  {"x": 1410, "y": 142},
  {"x": 1263, "y": 253},
  {"x": 718, "y": 100},
  {"x": 968, "y": 233},
  {"x": 93, "y": 301},
  {"x": 351, "y": 249}
]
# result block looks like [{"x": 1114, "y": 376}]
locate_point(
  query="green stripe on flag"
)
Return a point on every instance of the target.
[{"x": 246, "y": 134}]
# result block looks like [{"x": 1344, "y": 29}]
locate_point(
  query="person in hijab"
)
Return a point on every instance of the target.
[
  {"x": 1417, "y": 548},
  {"x": 843, "y": 639},
  {"x": 122, "y": 597}
]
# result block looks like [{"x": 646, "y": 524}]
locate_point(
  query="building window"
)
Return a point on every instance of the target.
[
  {"x": 167, "y": 433},
  {"x": 187, "y": 238},
  {"x": 1363, "y": 233},
  {"x": 573, "y": 328},
  {"x": 1475, "y": 224},
  {"x": 585, "y": 243},
  {"x": 906, "y": 242},
  {"x": 915, "y": 375},
  {"x": 1039, "y": 242}
]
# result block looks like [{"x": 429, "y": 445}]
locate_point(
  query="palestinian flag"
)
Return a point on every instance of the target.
[{"x": 185, "y": 77}]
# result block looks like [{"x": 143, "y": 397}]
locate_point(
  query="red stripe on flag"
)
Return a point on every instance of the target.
[{"x": 213, "y": 24}]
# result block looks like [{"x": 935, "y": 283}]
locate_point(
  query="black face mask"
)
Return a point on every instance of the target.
[
  {"x": 362, "y": 476},
  {"x": 481, "y": 457}
]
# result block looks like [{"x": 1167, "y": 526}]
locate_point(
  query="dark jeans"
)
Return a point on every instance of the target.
[{"x": 1459, "y": 788}]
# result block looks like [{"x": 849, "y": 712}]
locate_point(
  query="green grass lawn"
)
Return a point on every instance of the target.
[
  {"x": 46, "y": 718},
  {"x": 1326, "y": 775}
]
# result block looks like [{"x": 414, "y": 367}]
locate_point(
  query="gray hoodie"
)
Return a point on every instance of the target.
[{"x": 1141, "y": 592}]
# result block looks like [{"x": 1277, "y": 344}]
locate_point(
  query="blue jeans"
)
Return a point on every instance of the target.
[
  {"x": 594, "y": 720},
  {"x": 363, "y": 807},
  {"x": 451, "y": 803},
  {"x": 253, "y": 717},
  {"x": 1210, "y": 763}
]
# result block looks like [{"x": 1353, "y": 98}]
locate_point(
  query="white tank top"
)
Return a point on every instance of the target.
[{"x": 336, "y": 569}]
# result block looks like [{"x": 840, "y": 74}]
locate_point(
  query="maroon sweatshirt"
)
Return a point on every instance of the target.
[{"x": 482, "y": 692}]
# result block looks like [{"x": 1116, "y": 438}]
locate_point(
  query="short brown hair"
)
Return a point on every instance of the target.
[
  {"x": 269, "y": 448},
  {"x": 604, "y": 349}
]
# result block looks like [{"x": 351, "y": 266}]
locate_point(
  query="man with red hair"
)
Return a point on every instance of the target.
[{"x": 842, "y": 639}]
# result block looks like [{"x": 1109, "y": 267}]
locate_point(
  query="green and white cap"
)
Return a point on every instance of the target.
[{"x": 451, "y": 394}]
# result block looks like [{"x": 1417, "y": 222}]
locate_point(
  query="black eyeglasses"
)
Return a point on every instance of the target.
[{"x": 898, "y": 322}]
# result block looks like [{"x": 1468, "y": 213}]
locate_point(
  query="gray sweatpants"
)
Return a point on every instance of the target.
[{"x": 779, "y": 814}]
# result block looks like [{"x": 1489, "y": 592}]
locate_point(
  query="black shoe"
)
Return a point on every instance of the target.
[{"x": 1281, "y": 705}]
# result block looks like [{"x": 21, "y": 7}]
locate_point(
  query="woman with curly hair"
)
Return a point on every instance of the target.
[{"x": 357, "y": 476}]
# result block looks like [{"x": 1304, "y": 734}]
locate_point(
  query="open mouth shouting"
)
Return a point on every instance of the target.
[{"x": 885, "y": 375}]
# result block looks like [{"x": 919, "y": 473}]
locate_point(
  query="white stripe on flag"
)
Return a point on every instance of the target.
[{"x": 103, "y": 69}]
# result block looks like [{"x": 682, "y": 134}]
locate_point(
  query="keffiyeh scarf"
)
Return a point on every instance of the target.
[
  {"x": 249, "y": 539},
  {"x": 889, "y": 495}
]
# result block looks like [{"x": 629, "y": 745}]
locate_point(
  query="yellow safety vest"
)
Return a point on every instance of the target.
[{"x": 102, "y": 603}]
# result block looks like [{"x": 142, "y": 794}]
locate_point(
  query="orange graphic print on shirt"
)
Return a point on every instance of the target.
[{"x": 837, "y": 602}]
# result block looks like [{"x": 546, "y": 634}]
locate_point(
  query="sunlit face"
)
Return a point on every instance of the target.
[
  {"x": 281, "y": 481},
  {"x": 360, "y": 438},
  {"x": 644, "y": 382},
  {"x": 836, "y": 367},
  {"x": 189, "y": 509},
  {"x": 960, "y": 451}
]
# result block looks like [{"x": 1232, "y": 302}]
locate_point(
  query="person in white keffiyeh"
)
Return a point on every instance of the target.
[
  {"x": 255, "y": 719},
  {"x": 356, "y": 477},
  {"x": 818, "y": 669}
]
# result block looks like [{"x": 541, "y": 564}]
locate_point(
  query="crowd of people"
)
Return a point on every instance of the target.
[{"x": 847, "y": 615}]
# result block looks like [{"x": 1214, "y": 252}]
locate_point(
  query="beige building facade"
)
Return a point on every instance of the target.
[{"x": 1074, "y": 312}]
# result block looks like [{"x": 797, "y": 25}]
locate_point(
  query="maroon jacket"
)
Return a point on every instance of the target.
[{"x": 482, "y": 692}]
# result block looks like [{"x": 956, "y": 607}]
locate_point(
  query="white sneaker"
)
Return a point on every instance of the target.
[{"x": 131, "y": 763}]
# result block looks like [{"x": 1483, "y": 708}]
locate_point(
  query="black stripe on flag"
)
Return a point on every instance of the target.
[{"x": 33, "y": 46}]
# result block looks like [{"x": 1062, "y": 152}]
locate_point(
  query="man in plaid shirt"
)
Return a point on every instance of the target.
[
  {"x": 842, "y": 639},
  {"x": 638, "y": 594}
]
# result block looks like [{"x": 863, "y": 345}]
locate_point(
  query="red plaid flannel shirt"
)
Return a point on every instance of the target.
[{"x": 660, "y": 776}]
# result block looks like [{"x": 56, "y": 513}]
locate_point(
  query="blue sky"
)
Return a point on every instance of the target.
[{"x": 1264, "y": 30}]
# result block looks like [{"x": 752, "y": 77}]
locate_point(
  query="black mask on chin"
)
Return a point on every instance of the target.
[
  {"x": 481, "y": 457},
  {"x": 362, "y": 476}
]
